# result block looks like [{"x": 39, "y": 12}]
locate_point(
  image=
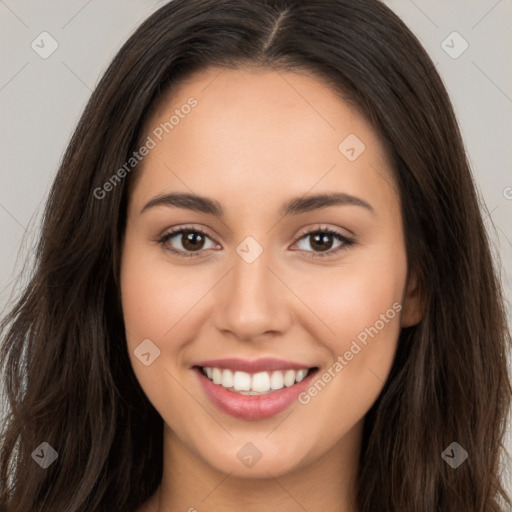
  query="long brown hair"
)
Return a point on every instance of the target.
[{"x": 68, "y": 378}]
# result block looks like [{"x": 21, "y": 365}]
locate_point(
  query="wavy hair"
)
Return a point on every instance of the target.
[{"x": 67, "y": 374}]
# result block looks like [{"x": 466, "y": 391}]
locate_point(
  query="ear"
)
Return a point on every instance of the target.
[{"x": 413, "y": 307}]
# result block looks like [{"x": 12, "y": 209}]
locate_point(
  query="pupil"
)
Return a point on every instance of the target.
[
  {"x": 192, "y": 241},
  {"x": 323, "y": 241}
]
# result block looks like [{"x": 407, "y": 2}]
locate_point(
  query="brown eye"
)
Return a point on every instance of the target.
[
  {"x": 186, "y": 241},
  {"x": 324, "y": 242},
  {"x": 192, "y": 240},
  {"x": 321, "y": 241}
]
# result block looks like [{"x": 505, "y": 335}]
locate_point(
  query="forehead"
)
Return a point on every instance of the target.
[{"x": 260, "y": 128}]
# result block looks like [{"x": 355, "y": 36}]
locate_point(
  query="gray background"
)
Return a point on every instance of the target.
[{"x": 42, "y": 99}]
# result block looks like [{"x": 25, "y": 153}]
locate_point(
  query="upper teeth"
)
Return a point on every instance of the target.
[{"x": 257, "y": 382}]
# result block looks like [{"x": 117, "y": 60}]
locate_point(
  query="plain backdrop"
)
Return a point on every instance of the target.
[{"x": 41, "y": 100}]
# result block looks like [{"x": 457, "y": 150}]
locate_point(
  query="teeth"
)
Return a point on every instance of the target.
[
  {"x": 242, "y": 381},
  {"x": 289, "y": 378},
  {"x": 260, "y": 382},
  {"x": 257, "y": 383},
  {"x": 227, "y": 378},
  {"x": 277, "y": 380},
  {"x": 217, "y": 376},
  {"x": 301, "y": 374}
]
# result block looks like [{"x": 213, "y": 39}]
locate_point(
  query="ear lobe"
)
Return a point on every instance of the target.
[{"x": 413, "y": 306}]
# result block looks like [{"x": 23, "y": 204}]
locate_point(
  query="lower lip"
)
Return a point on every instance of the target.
[{"x": 253, "y": 407}]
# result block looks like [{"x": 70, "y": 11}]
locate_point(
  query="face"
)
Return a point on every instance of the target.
[{"x": 263, "y": 236}]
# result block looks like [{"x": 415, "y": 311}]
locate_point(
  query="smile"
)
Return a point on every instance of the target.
[{"x": 253, "y": 395}]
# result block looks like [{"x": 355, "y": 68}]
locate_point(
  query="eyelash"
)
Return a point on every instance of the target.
[{"x": 347, "y": 242}]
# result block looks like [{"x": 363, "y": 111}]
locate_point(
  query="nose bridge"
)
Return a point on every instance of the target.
[{"x": 251, "y": 302}]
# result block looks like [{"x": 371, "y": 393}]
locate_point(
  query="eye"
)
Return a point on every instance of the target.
[
  {"x": 322, "y": 241},
  {"x": 186, "y": 241},
  {"x": 190, "y": 241}
]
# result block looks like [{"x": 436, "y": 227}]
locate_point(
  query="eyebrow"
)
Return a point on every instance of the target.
[{"x": 294, "y": 206}]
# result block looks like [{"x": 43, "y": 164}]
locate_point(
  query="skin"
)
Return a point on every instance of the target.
[{"x": 256, "y": 139}]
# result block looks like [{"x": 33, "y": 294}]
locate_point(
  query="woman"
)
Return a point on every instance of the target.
[{"x": 263, "y": 280}]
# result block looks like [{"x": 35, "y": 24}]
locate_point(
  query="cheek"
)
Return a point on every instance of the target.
[
  {"x": 356, "y": 296},
  {"x": 159, "y": 303},
  {"x": 359, "y": 306},
  {"x": 155, "y": 295},
  {"x": 156, "y": 300}
]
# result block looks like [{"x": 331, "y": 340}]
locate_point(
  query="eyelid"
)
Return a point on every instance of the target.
[
  {"x": 322, "y": 228},
  {"x": 347, "y": 241}
]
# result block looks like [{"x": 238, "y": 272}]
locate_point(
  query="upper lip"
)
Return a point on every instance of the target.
[{"x": 253, "y": 365}]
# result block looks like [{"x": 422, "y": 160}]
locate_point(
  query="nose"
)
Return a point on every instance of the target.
[{"x": 252, "y": 301}]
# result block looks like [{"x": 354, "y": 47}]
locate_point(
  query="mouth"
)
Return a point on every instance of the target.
[{"x": 253, "y": 395}]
